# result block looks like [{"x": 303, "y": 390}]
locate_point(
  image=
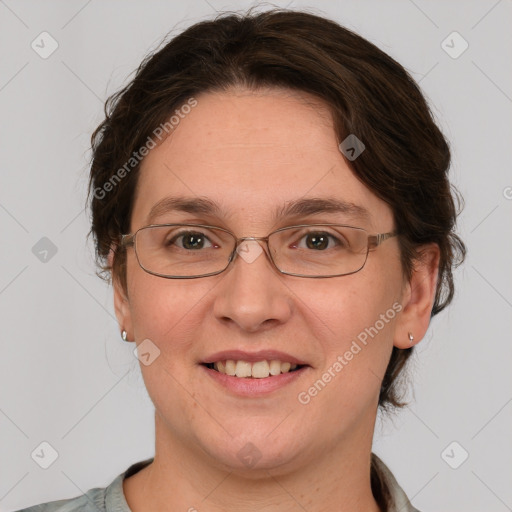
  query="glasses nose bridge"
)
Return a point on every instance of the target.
[
  {"x": 266, "y": 246},
  {"x": 255, "y": 239}
]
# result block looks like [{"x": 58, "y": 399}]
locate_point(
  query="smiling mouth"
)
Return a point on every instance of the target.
[{"x": 257, "y": 370}]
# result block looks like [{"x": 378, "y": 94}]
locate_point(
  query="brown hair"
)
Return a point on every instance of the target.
[{"x": 370, "y": 95}]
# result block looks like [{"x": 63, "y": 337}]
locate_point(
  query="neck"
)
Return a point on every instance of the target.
[{"x": 180, "y": 479}]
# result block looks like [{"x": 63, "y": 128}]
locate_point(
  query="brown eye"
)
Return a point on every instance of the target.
[
  {"x": 318, "y": 241},
  {"x": 191, "y": 240}
]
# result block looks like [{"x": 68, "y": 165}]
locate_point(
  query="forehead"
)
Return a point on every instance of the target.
[{"x": 253, "y": 153}]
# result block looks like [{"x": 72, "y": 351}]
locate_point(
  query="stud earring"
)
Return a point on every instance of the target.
[
  {"x": 124, "y": 335},
  {"x": 411, "y": 339}
]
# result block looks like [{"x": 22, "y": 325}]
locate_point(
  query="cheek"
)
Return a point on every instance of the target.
[
  {"x": 354, "y": 303},
  {"x": 354, "y": 320},
  {"x": 170, "y": 314},
  {"x": 165, "y": 310}
]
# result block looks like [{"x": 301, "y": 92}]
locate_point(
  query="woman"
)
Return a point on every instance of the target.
[{"x": 270, "y": 198}]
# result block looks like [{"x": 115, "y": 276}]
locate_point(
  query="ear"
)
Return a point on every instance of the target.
[
  {"x": 121, "y": 302},
  {"x": 418, "y": 298}
]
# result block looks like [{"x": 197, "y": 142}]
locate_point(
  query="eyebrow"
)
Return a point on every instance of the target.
[{"x": 295, "y": 208}]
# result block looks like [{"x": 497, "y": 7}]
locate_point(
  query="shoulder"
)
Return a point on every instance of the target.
[
  {"x": 92, "y": 501},
  {"x": 99, "y": 499}
]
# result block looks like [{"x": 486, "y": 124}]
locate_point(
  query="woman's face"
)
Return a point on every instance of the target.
[{"x": 252, "y": 154}]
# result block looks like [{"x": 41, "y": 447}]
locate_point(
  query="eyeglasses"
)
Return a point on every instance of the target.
[{"x": 188, "y": 251}]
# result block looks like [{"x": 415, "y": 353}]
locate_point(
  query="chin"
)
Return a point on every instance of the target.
[{"x": 254, "y": 457}]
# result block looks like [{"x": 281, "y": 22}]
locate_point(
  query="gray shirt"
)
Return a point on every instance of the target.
[{"x": 112, "y": 499}]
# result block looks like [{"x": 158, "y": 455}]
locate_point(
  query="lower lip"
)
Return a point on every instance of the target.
[{"x": 254, "y": 387}]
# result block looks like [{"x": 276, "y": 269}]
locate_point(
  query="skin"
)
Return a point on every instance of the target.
[{"x": 251, "y": 151}]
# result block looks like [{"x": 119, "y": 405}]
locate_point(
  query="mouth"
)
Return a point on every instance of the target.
[{"x": 253, "y": 370}]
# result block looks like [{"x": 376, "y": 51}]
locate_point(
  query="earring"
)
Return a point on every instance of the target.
[
  {"x": 124, "y": 335},
  {"x": 411, "y": 339}
]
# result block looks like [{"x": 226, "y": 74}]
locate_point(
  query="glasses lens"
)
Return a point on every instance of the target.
[
  {"x": 183, "y": 250},
  {"x": 319, "y": 250}
]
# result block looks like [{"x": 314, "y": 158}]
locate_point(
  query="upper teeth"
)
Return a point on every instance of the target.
[{"x": 258, "y": 370}]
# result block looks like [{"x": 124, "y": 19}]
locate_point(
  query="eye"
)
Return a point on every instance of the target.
[
  {"x": 319, "y": 241},
  {"x": 191, "y": 240}
]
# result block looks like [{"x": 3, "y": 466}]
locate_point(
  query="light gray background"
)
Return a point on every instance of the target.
[{"x": 65, "y": 375}]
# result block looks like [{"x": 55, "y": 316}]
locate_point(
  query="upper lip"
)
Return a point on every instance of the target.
[{"x": 253, "y": 357}]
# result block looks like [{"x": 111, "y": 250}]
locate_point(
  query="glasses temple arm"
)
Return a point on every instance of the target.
[
  {"x": 127, "y": 240},
  {"x": 376, "y": 240}
]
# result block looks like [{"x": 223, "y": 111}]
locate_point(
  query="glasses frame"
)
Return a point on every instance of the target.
[{"x": 373, "y": 241}]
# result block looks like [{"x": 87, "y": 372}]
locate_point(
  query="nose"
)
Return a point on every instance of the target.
[{"x": 252, "y": 294}]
